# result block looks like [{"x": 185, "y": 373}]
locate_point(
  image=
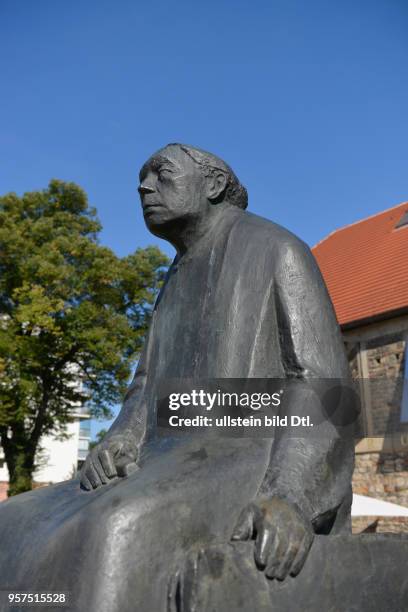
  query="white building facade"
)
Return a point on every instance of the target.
[{"x": 58, "y": 460}]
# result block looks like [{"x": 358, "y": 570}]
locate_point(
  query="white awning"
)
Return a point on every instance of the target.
[{"x": 370, "y": 506}]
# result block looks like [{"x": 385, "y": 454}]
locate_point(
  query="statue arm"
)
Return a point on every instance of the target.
[
  {"x": 307, "y": 485},
  {"x": 311, "y": 471},
  {"x": 132, "y": 418},
  {"x": 118, "y": 453}
]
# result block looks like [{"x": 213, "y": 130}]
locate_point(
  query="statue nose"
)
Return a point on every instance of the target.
[{"x": 143, "y": 189}]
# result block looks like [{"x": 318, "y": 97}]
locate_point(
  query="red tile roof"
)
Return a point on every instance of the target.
[{"x": 365, "y": 266}]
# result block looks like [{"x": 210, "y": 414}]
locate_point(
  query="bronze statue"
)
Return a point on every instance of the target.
[{"x": 243, "y": 298}]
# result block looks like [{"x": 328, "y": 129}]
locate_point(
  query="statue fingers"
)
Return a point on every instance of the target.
[
  {"x": 182, "y": 594},
  {"x": 274, "y": 557},
  {"x": 263, "y": 543},
  {"x": 125, "y": 466},
  {"x": 276, "y": 554},
  {"x": 85, "y": 483},
  {"x": 91, "y": 473},
  {"x": 173, "y": 592},
  {"x": 107, "y": 463},
  {"x": 191, "y": 582},
  {"x": 302, "y": 554},
  {"x": 99, "y": 469},
  {"x": 244, "y": 527},
  {"x": 283, "y": 569}
]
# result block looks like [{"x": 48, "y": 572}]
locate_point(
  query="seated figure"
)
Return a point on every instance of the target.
[{"x": 243, "y": 298}]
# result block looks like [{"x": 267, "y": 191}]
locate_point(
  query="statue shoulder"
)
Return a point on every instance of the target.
[{"x": 270, "y": 237}]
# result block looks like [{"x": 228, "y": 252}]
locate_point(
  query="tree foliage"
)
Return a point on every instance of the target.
[
  {"x": 72, "y": 318},
  {"x": 98, "y": 438}
]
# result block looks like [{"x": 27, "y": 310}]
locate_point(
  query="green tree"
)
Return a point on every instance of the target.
[
  {"x": 98, "y": 438},
  {"x": 72, "y": 318}
]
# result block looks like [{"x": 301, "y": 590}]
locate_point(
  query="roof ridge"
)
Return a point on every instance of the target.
[{"x": 340, "y": 229}]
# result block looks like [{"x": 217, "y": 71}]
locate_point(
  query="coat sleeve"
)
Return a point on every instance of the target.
[
  {"x": 312, "y": 470},
  {"x": 133, "y": 418}
]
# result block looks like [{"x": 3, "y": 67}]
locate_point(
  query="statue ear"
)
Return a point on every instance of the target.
[{"x": 216, "y": 185}]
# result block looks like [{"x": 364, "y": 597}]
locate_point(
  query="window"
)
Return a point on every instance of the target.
[
  {"x": 83, "y": 445},
  {"x": 403, "y": 221},
  {"x": 85, "y": 428}
]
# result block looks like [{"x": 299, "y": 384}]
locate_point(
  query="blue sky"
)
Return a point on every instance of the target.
[{"x": 307, "y": 101}]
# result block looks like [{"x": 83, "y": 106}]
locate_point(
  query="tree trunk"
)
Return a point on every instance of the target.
[
  {"x": 19, "y": 455},
  {"x": 21, "y": 473},
  {"x": 20, "y": 449}
]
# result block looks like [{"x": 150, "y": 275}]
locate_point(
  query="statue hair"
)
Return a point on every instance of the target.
[{"x": 235, "y": 193}]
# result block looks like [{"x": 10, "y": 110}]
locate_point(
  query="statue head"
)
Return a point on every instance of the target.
[{"x": 181, "y": 184}]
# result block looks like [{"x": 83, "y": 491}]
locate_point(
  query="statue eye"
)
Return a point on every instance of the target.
[{"x": 163, "y": 172}]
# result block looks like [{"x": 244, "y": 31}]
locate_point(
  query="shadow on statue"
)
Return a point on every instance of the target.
[{"x": 201, "y": 522}]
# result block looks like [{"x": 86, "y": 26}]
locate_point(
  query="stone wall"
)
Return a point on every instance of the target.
[
  {"x": 380, "y": 524},
  {"x": 386, "y": 361},
  {"x": 383, "y": 476},
  {"x": 378, "y": 353}
]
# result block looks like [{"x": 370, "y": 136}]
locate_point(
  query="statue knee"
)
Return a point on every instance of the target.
[{"x": 138, "y": 514}]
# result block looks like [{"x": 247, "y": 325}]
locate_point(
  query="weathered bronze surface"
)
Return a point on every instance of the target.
[{"x": 208, "y": 523}]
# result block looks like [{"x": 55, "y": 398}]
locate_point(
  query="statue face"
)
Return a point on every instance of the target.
[{"x": 172, "y": 190}]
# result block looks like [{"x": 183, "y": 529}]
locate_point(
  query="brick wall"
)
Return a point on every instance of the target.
[{"x": 3, "y": 490}]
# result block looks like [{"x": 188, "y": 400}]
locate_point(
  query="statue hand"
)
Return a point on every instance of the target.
[
  {"x": 115, "y": 456},
  {"x": 217, "y": 577},
  {"x": 283, "y": 537}
]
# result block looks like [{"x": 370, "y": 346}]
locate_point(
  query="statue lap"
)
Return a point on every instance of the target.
[{"x": 105, "y": 546}]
